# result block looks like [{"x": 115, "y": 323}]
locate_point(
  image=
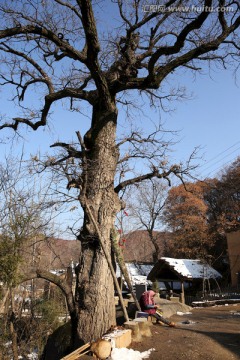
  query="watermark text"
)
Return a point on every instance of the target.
[{"x": 185, "y": 9}]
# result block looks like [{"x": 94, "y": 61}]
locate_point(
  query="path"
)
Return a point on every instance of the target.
[{"x": 211, "y": 334}]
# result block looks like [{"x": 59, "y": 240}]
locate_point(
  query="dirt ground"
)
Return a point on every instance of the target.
[{"x": 211, "y": 333}]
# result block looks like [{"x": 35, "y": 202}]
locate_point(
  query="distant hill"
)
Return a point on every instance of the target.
[
  {"x": 57, "y": 253},
  {"x": 138, "y": 246}
]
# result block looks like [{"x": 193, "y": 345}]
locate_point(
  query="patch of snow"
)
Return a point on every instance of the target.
[
  {"x": 32, "y": 356},
  {"x": 180, "y": 313},
  {"x": 8, "y": 344},
  {"x": 58, "y": 271},
  {"x": 129, "y": 354}
]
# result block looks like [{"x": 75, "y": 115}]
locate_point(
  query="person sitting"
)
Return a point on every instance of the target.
[{"x": 148, "y": 305}]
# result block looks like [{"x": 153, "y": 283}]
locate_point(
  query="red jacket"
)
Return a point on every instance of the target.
[{"x": 147, "y": 302}]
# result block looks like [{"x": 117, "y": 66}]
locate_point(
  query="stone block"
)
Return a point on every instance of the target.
[
  {"x": 144, "y": 327},
  {"x": 136, "y": 334}
]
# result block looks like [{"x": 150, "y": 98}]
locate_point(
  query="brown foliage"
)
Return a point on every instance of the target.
[
  {"x": 186, "y": 215},
  {"x": 223, "y": 198}
]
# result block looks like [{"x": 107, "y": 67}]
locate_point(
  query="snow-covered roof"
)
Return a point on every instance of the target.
[
  {"x": 192, "y": 269},
  {"x": 58, "y": 271},
  {"x": 138, "y": 272},
  {"x": 186, "y": 268}
]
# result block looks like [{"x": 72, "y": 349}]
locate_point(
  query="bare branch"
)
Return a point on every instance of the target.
[
  {"x": 72, "y": 152},
  {"x": 167, "y": 50},
  {"x": 48, "y": 34},
  {"x": 93, "y": 48},
  {"x": 49, "y": 100},
  {"x": 71, "y": 7},
  {"x": 45, "y": 79},
  {"x": 175, "y": 169}
]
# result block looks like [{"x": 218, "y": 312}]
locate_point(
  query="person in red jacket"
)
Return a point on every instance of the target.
[{"x": 148, "y": 305}]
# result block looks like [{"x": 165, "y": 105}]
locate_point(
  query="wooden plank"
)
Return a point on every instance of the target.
[{"x": 77, "y": 353}]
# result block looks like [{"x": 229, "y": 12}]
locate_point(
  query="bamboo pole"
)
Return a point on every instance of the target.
[
  {"x": 77, "y": 353},
  {"x": 123, "y": 268}
]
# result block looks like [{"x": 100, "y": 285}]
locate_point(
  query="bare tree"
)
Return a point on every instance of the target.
[
  {"x": 26, "y": 214},
  {"x": 59, "y": 50},
  {"x": 146, "y": 204}
]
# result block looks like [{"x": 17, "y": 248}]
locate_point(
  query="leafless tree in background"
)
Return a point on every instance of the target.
[{"x": 146, "y": 204}]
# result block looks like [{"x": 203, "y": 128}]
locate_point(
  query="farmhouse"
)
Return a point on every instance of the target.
[
  {"x": 185, "y": 272},
  {"x": 233, "y": 241}
]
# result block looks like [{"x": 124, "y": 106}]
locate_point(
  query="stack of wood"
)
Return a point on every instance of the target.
[{"x": 101, "y": 349}]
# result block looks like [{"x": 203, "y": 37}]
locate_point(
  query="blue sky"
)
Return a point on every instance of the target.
[{"x": 210, "y": 120}]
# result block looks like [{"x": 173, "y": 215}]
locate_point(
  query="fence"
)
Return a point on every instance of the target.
[{"x": 223, "y": 294}]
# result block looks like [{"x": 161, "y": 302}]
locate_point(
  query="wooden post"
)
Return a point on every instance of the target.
[{"x": 182, "y": 294}]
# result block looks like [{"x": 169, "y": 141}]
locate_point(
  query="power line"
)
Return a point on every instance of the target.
[
  {"x": 222, "y": 158},
  {"x": 218, "y": 168},
  {"x": 222, "y": 152}
]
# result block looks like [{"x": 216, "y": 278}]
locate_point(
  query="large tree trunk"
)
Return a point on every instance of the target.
[{"x": 94, "y": 287}]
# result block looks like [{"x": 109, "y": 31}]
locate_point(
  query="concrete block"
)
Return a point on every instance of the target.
[
  {"x": 120, "y": 338},
  {"x": 123, "y": 340}
]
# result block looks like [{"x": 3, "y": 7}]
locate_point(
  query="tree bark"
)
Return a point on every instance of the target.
[
  {"x": 156, "y": 253},
  {"x": 12, "y": 328},
  {"x": 94, "y": 286},
  {"x": 3, "y": 302}
]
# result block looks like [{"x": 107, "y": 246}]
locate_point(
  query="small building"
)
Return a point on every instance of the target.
[
  {"x": 182, "y": 271},
  {"x": 233, "y": 242},
  {"x": 138, "y": 272}
]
